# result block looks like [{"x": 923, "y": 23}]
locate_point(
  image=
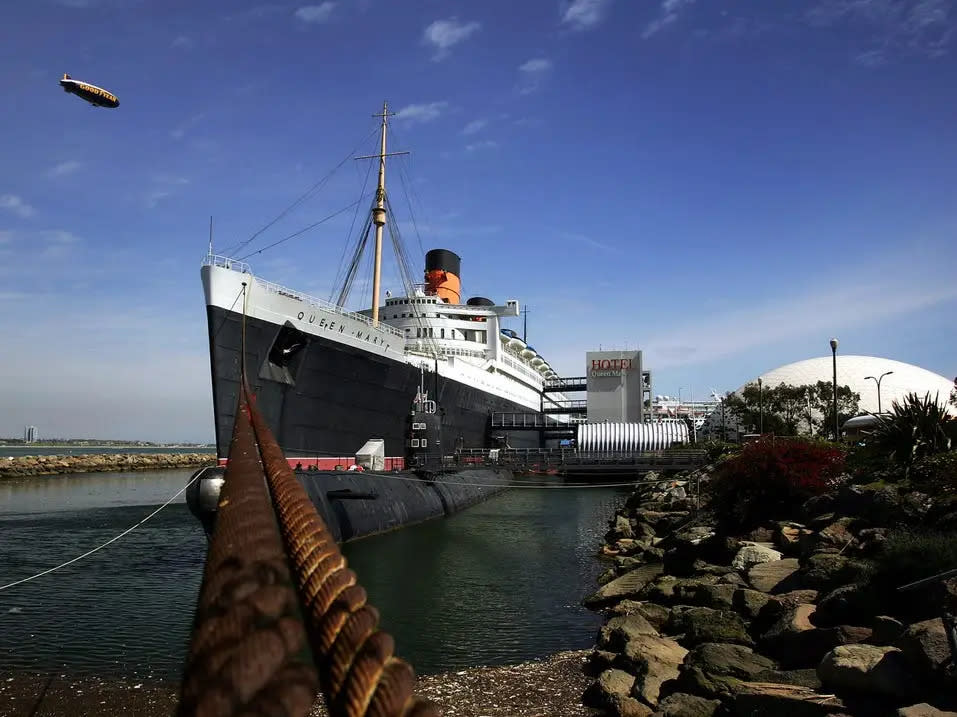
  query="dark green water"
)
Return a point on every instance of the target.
[{"x": 499, "y": 583}]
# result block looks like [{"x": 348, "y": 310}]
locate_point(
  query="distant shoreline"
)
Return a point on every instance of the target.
[
  {"x": 109, "y": 445},
  {"x": 26, "y": 466}
]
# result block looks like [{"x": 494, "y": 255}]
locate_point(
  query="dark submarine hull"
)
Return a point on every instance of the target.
[{"x": 359, "y": 504}]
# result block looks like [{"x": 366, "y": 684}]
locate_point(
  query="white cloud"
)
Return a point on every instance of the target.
[
  {"x": 13, "y": 203},
  {"x": 425, "y": 112},
  {"x": 585, "y": 14},
  {"x": 182, "y": 41},
  {"x": 315, "y": 13},
  {"x": 64, "y": 168},
  {"x": 536, "y": 66},
  {"x": 484, "y": 144},
  {"x": 880, "y": 291},
  {"x": 532, "y": 73},
  {"x": 445, "y": 34},
  {"x": 474, "y": 126},
  {"x": 180, "y": 131},
  {"x": 893, "y": 27},
  {"x": 667, "y": 15}
]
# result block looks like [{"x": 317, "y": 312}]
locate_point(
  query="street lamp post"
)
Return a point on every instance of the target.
[
  {"x": 878, "y": 381},
  {"x": 760, "y": 407},
  {"x": 837, "y": 428}
]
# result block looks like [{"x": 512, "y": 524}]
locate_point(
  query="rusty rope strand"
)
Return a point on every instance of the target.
[
  {"x": 248, "y": 651},
  {"x": 355, "y": 657}
]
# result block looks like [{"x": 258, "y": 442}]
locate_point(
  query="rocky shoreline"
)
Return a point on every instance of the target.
[
  {"x": 23, "y": 466},
  {"x": 783, "y": 620}
]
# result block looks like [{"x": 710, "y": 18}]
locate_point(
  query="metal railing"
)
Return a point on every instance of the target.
[
  {"x": 521, "y": 368},
  {"x": 235, "y": 265},
  {"x": 227, "y": 263},
  {"x": 569, "y": 406}
]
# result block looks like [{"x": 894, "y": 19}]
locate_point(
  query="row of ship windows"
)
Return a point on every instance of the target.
[
  {"x": 396, "y": 302},
  {"x": 419, "y": 442},
  {"x": 429, "y": 333}
]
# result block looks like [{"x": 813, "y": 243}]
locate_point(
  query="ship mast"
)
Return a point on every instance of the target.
[
  {"x": 378, "y": 218},
  {"x": 378, "y": 210}
]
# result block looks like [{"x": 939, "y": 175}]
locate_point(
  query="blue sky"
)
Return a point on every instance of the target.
[{"x": 725, "y": 185}]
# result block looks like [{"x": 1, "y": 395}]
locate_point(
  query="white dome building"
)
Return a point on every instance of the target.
[{"x": 853, "y": 371}]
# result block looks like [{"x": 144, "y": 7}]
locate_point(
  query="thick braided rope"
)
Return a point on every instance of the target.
[
  {"x": 358, "y": 672},
  {"x": 248, "y": 652}
]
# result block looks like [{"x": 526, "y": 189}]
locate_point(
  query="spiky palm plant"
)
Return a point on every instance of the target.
[{"x": 916, "y": 427}]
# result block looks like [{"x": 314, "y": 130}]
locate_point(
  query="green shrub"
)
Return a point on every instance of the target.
[
  {"x": 719, "y": 449},
  {"x": 907, "y": 556},
  {"x": 917, "y": 427},
  {"x": 937, "y": 473},
  {"x": 770, "y": 479}
]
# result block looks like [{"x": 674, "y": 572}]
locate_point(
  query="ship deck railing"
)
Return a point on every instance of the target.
[{"x": 272, "y": 287}]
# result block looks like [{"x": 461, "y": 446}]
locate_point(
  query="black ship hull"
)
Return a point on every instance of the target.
[
  {"x": 330, "y": 398},
  {"x": 354, "y": 505}
]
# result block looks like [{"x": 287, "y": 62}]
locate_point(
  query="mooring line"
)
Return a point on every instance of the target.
[{"x": 100, "y": 547}]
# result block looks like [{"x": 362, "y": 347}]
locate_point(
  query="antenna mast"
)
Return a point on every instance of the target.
[{"x": 378, "y": 212}]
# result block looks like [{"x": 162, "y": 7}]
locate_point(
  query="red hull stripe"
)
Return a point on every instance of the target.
[{"x": 329, "y": 464}]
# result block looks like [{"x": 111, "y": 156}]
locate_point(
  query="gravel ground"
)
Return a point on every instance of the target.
[{"x": 544, "y": 688}]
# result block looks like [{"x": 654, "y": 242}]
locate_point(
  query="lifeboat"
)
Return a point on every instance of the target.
[
  {"x": 528, "y": 352},
  {"x": 516, "y": 343},
  {"x": 537, "y": 362}
]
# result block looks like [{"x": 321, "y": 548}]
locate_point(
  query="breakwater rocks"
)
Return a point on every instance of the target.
[
  {"x": 22, "y": 466},
  {"x": 790, "y": 618}
]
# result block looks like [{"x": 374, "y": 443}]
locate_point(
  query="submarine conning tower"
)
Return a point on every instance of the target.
[{"x": 442, "y": 275}]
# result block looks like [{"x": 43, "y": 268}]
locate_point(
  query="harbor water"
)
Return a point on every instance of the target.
[{"x": 499, "y": 583}]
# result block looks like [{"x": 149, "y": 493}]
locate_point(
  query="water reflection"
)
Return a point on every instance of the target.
[
  {"x": 79, "y": 491},
  {"x": 498, "y": 583}
]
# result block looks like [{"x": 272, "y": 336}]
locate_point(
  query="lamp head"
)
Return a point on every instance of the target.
[{"x": 833, "y": 344}]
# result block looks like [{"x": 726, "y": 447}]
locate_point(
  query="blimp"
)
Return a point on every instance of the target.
[{"x": 96, "y": 96}]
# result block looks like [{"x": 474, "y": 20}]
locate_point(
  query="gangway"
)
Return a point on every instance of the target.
[
  {"x": 566, "y": 385},
  {"x": 569, "y": 408}
]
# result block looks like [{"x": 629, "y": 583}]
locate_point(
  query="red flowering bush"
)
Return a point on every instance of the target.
[{"x": 770, "y": 478}]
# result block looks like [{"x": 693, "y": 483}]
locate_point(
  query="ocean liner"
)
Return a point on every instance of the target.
[
  {"x": 328, "y": 379},
  {"x": 417, "y": 377}
]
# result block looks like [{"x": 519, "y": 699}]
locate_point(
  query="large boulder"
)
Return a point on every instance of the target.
[
  {"x": 754, "y": 554},
  {"x": 719, "y": 597},
  {"x": 653, "y": 660},
  {"x": 925, "y": 647},
  {"x": 616, "y": 633},
  {"x": 789, "y": 537},
  {"x": 628, "y": 585},
  {"x": 612, "y": 691},
  {"x": 855, "y": 603},
  {"x": 797, "y": 642},
  {"x": 749, "y": 603},
  {"x": 715, "y": 670},
  {"x": 886, "y": 630},
  {"x": 828, "y": 571},
  {"x": 700, "y": 624},
  {"x": 668, "y": 589},
  {"x": 837, "y": 537},
  {"x": 867, "y": 669},
  {"x": 923, "y": 710},
  {"x": 657, "y": 615},
  {"x": 780, "y": 700},
  {"x": 775, "y": 576},
  {"x": 681, "y": 704}
]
